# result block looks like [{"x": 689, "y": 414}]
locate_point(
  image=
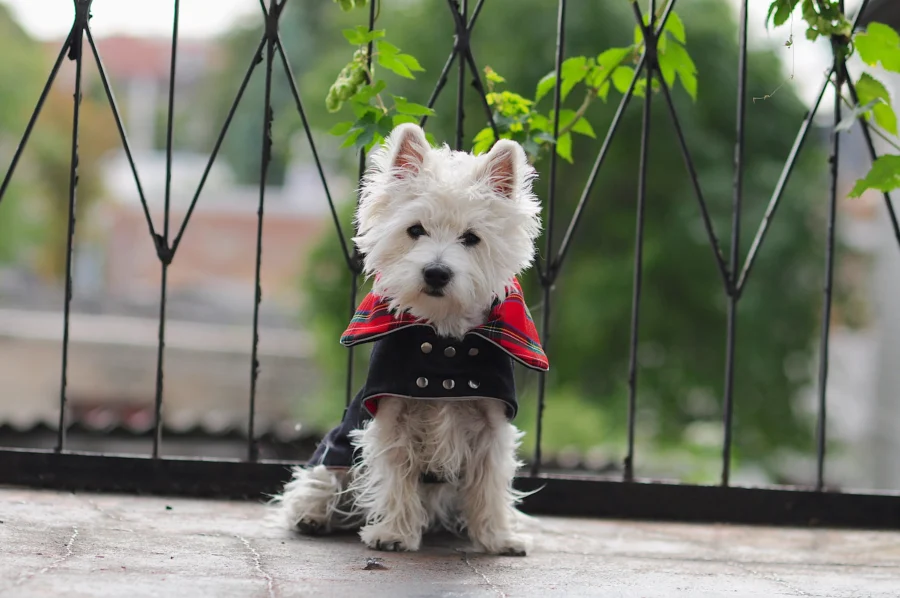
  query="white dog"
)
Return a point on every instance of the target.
[{"x": 427, "y": 441}]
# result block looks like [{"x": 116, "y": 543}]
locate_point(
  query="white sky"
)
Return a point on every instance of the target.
[{"x": 49, "y": 19}]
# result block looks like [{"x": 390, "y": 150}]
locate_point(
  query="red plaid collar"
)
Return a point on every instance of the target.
[{"x": 509, "y": 326}]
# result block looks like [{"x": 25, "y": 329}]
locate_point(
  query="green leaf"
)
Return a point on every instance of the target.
[
  {"x": 857, "y": 112},
  {"x": 351, "y": 138},
  {"x": 384, "y": 126},
  {"x": 690, "y": 85},
  {"x": 406, "y": 107},
  {"x": 675, "y": 26},
  {"x": 879, "y": 43},
  {"x": 365, "y": 95},
  {"x": 603, "y": 92},
  {"x": 566, "y": 117},
  {"x": 361, "y": 35},
  {"x": 376, "y": 139},
  {"x": 614, "y": 57},
  {"x": 564, "y": 147},
  {"x": 583, "y": 127},
  {"x": 492, "y": 75},
  {"x": 393, "y": 63},
  {"x": 573, "y": 70},
  {"x": 869, "y": 89},
  {"x": 360, "y": 110},
  {"x": 667, "y": 68},
  {"x": 483, "y": 141},
  {"x": 782, "y": 10},
  {"x": 679, "y": 59},
  {"x": 400, "y": 119},
  {"x": 544, "y": 86},
  {"x": 384, "y": 47},
  {"x": 410, "y": 62},
  {"x": 341, "y": 129},
  {"x": 430, "y": 139},
  {"x": 621, "y": 78},
  {"x": 539, "y": 122},
  {"x": 884, "y": 176}
]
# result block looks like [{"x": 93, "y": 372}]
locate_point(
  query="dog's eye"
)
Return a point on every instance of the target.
[
  {"x": 415, "y": 231},
  {"x": 470, "y": 239}
]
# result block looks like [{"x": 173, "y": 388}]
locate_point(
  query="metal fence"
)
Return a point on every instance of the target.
[{"x": 566, "y": 495}]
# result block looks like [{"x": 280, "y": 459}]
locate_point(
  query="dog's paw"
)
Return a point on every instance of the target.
[
  {"x": 513, "y": 545},
  {"x": 379, "y": 538},
  {"x": 309, "y": 527},
  {"x": 390, "y": 546}
]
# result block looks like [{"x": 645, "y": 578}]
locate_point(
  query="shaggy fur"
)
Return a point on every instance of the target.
[{"x": 449, "y": 196}]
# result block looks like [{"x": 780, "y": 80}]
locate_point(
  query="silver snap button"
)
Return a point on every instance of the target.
[
  {"x": 422, "y": 382},
  {"x": 449, "y": 352},
  {"x": 449, "y": 384},
  {"x": 426, "y": 347},
  {"x": 474, "y": 384},
  {"x": 473, "y": 352}
]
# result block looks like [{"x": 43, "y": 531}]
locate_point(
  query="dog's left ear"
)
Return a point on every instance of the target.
[{"x": 504, "y": 168}]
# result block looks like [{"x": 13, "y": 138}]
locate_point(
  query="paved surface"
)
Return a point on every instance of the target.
[{"x": 59, "y": 544}]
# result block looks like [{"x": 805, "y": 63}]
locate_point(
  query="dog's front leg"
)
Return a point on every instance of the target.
[
  {"x": 387, "y": 481},
  {"x": 488, "y": 496}
]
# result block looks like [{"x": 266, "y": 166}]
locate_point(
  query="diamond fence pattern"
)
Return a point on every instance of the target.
[{"x": 563, "y": 495}]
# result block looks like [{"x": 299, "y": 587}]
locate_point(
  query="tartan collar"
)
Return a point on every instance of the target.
[{"x": 509, "y": 326}]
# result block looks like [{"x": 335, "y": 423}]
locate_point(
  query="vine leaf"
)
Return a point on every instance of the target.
[
  {"x": 574, "y": 70},
  {"x": 361, "y": 35},
  {"x": 677, "y": 60},
  {"x": 675, "y": 26},
  {"x": 390, "y": 57},
  {"x": 544, "y": 86},
  {"x": 872, "y": 91},
  {"x": 860, "y": 111},
  {"x": 780, "y": 11},
  {"x": 564, "y": 147},
  {"x": 879, "y": 43},
  {"x": 404, "y": 106},
  {"x": 884, "y": 176}
]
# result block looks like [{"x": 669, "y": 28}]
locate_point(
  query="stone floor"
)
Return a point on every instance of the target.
[{"x": 60, "y": 544}]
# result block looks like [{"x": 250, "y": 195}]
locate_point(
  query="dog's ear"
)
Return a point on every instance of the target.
[
  {"x": 505, "y": 167},
  {"x": 408, "y": 149}
]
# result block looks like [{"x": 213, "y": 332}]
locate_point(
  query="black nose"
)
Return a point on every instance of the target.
[{"x": 437, "y": 275}]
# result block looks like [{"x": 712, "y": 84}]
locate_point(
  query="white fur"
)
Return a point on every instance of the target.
[{"x": 468, "y": 444}]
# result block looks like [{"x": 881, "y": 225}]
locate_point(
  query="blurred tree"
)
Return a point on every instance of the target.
[
  {"x": 22, "y": 63},
  {"x": 42, "y": 178},
  {"x": 682, "y": 336},
  {"x": 51, "y": 148}
]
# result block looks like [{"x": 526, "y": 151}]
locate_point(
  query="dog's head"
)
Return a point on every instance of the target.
[{"x": 445, "y": 232}]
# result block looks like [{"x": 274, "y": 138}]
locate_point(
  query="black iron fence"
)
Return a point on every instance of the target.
[{"x": 626, "y": 497}]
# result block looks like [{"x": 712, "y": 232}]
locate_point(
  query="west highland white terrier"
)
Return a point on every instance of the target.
[{"x": 427, "y": 442}]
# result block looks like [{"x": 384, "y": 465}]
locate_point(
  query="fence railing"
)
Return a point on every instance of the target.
[{"x": 560, "y": 494}]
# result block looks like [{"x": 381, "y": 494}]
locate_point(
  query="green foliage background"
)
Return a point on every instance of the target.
[{"x": 682, "y": 336}]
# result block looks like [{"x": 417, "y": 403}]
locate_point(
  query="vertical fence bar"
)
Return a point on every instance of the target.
[
  {"x": 734, "y": 257},
  {"x": 76, "y": 53},
  {"x": 548, "y": 274},
  {"x": 265, "y": 160},
  {"x": 462, "y": 46},
  {"x": 163, "y": 249},
  {"x": 355, "y": 259},
  {"x": 650, "y": 65},
  {"x": 821, "y": 419}
]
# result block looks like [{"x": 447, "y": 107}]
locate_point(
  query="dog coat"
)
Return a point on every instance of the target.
[{"x": 410, "y": 360}]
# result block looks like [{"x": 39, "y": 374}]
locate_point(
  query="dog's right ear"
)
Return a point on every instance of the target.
[{"x": 408, "y": 149}]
